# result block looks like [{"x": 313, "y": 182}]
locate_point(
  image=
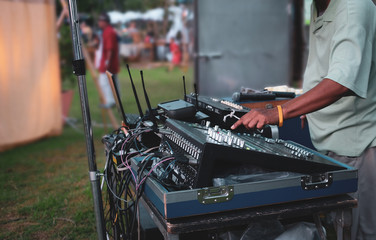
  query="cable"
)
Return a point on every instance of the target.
[
  {"x": 172, "y": 151},
  {"x": 124, "y": 185},
  {"x": 230, "y": 115},
  {"x": 169, "y": 166},
  {"x": 151, "y": 170}
]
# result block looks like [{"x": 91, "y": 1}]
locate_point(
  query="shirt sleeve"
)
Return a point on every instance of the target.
[{"x": 348, "y": 58}]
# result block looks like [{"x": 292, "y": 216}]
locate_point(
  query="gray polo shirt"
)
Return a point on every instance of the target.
[{"x": 343, "y": 48}]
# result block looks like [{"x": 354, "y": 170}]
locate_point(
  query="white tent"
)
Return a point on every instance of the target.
[
  {"x": 154, "y": 14},
  {"x": 118, "y": 17}
]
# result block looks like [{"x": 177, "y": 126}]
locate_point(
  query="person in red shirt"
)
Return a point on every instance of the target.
[
  {"x": 176, "y": 52},
  {"x": 175, "y": 49},
  {"x": 109, "y": 58}
]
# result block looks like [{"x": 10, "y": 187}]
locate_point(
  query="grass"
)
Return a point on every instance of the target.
[{"x": 46, "y": 192}]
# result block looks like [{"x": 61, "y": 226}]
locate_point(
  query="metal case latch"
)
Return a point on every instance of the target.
[
  {"x": 215, "y": 194},
  {"x": 317, "y": 181}
]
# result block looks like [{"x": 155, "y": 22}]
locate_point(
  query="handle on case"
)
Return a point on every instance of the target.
[
  {"x": 215, "y": 194},
  {"x": 317, "y": 181}
]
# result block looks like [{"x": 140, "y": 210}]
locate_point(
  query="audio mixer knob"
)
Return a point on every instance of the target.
[
  {"x": 216, "y": 127},
  {"x": 229, "y": 141},
  {"x": 211, "y": 133},
  {"x": 241, "y": 143},
  {"x": 216, "y": 136},
  {"x": 207, "y": 124}
]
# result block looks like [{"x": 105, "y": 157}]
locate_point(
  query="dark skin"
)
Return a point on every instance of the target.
[
  {"x": 323, "y": 94},
  {"x": 321, "y": 6}
]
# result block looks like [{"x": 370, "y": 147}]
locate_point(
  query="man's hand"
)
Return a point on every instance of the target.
[
  {"x": 258, "y": 118},
  {"x": 322, "y": 95}
]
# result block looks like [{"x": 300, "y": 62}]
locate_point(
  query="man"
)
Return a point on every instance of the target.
[
  {"x": 340, "y": 97},
  {"x": 109, "y": 58}
]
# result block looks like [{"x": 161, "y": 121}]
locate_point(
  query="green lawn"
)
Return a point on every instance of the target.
[{"x": 45, "y": 191}]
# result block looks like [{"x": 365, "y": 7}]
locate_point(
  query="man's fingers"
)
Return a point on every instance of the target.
[
  {"x": 260, "y": 124},
  {"x": 237, "y": 124},
  {"x": 252, "y": 123},
  {"x": 243, "y": 120}
]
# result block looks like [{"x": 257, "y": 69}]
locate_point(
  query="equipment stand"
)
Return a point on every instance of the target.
[
  {"x": 79, "y": 71},
  {"x": 342, "y": 204}
]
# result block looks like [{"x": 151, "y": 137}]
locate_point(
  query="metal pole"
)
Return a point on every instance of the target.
[
  {"x": 79, "y": 71},
  {"x": 196, "y": 70}
]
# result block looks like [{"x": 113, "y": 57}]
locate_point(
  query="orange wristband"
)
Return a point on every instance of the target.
[{"x": 280, "y": 115}]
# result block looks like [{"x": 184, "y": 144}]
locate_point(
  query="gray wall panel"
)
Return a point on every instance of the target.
[{"x": 248, "y": 43}]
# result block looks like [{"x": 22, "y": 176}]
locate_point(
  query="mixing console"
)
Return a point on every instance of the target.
[
  {"x": 217, "y": 109},
  {"x": 206, "y": 146}
]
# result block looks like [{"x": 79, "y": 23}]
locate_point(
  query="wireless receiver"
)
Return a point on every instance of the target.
[{"x": 179, "y": 109}]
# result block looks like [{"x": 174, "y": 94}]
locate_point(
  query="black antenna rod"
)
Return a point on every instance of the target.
[
  {"x": 114, "y": 85},
  {"x": 146, "y": 96},
  {"x": 135, "y": 94},
  {"x": 185, "y": 90},
  {"x": 196, "y": 94}
]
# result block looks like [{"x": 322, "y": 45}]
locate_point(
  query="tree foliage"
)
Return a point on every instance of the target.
[
  {"x": 97, "y": 6},
  {"x": 66, "y": 57}
]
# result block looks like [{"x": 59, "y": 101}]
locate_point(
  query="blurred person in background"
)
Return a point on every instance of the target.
[
  {"x": 89, "y": 38},
  {"x": 130, "y": 49},
  {"x": 176, "y": 52},
  {"x": 149, "y": 41},
  {"x": 109, "y": 58}
]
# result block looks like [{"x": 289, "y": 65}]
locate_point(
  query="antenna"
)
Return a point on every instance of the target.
[
  {"x": 135, "y": 94},
  {"x": 147, "y": 97},
  {"x": 196, "y": 94},
  {"x": 115, "y": 91},
  {"x": 185, "y": 90}
]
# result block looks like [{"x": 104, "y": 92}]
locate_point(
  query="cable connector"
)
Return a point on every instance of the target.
[
  {"x": 230, "y": 115},
  {"x": 181, "y": 158}
]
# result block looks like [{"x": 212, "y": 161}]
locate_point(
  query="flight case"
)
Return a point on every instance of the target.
[{"x": 255, "y": 190}]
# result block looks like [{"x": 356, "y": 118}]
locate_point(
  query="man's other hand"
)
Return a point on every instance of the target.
[{"x": 258, "y": 118}]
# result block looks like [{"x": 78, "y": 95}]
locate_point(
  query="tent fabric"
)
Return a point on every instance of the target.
[{"x": 30, "y": 87}]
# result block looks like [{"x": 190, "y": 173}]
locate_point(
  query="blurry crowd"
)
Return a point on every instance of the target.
[
  {"x": 141, "y": 40},
  {"x": 108, "y": 44}
]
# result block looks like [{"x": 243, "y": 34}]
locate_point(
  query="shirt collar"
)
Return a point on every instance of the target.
[{"x": 329, "y": 14}]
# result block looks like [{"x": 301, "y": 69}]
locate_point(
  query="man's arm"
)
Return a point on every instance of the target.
[
  {"x": 324, "y": 94},
  {"x": 108, "y": 57},
  {"x": 64, "y": 13}
]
